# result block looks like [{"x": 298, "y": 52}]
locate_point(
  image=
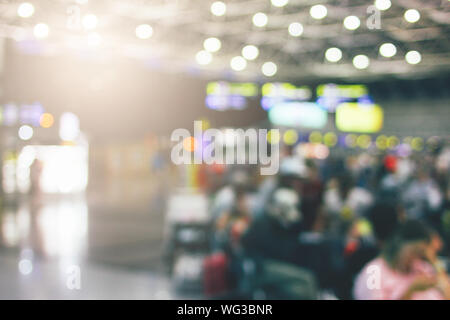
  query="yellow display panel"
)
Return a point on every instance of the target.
[{"x": 354, "y": 117}]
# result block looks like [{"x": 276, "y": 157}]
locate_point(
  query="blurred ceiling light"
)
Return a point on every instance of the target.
[
  {"x": 382, "y": 4},
  {"x": 361, "y": 61},
  {"x": 212, "y": 44},
  {"x": 269, "y": 69},
  {"x": 352, "y": 23},
  {"x": 25, "y": 132},
  {"x": 46, "y": 120},
  {"x": 90, "y": 21},
  {"x": 238, "y": 63},
  {"x": 144, "y": 31},
  {"x": 203, "y": 57},
  {"x": 318, "y": 11},
  {"x": 218, "y": 8},
  {"x": 412, "y": 15},
  {"x": 279, "y": 3},
  {"x": 25, "y": 10},
  {"x": 388, "y": 50},
  {"x": 413, "y": 57},
  {"x": 250, "y": 52},
  {"x": 295, "y": 29},
  {"x": 333, "y": 54},
  {"x": 260, "y": 19},
  {"x": 41, "y": 30},
  {"x": 94, "y": 39}
]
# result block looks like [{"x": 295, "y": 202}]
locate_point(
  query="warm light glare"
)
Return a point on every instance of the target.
[
  {"x": 388, "y": 50},
  {"x": 218, "y": 8},
  {"x": 212, "y": 44},
  {"x": 46, "y": 120},
  {"x": 238, "y": 63},
  {"x": 269, "y": 69},
  {"x": 25, "y": 10},
  {"x": 361, "y": 61},
  {"x": 295, "y": 29},
  {"x": 90, "y": 21},
  {"x": 250, "y": 52},
  {"x": 41, "y": 30},
  {"x": 413, "y": 57},
  {"x": 333, "y": 54},
  {"x": 318, "y": 11},
  {"x": 412, "y": 15},
  {"x": 352, "y": 23},
  {"x": 144, "y": 31},
  {"x": 260, "y": 19}
]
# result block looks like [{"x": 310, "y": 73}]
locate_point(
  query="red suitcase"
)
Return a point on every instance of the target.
[{"x": 215, "y": 269}]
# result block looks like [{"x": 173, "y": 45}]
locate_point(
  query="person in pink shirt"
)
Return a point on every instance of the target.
[{"x": 407, "y": 269}]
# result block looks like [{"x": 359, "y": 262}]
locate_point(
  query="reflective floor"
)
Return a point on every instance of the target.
[{"x": 105, "y": 243}]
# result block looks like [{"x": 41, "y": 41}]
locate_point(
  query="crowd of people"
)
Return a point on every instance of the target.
[{"x": 357, "y": 225}]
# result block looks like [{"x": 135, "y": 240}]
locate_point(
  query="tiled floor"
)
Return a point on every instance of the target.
[{"x": 115, "y": 242}]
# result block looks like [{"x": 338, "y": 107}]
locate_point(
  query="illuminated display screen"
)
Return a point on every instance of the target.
[
  {"x": 225, "y": 95},
  {"x": 356, "y": 117},
  {"x": 276, "y": 93},
  {"x": 331, "y": 95},
  {"x": 298, "y": 114}
]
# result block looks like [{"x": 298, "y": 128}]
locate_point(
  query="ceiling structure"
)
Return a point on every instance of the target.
[{"x": 180, "y": 27}]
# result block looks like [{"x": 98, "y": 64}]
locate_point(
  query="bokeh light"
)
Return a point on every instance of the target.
[
  {"x": 412, "y": 15},
  {"x": 218, "y": 8},
  {"x": 25, "y": 132},
  {"x": 25, "y": 10},
  {"x": 279, "y": 3},
  {"x": 295, "y": 29},
  {"x": 413, "y": 57},
  {"x": 388, "y": 50},
  {"x": 352, "y": 23},
  {"x": 269, "y": 69},
  {"x": 260, "y": 19},
  {"x": 250, "y": 52},
  {"x": 212, "y": 44},
  {"x": 361, "y": 61},
  {"x": 144, "y": 31},
  {"x": 238, "y": 63},
  {"x": 383, "y": 4},
  {"x": 46, "y": 120},
  {"x": 90, "y": 21},
  {"x": 203, "y": 57},
  {"x": 41, "y": 30},
  {"x": 290, "y": 137},
  {"x": 318, "y": 11},
  {"x": 333, "y": 54}
]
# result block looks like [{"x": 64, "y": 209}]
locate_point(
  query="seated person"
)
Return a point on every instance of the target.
[{"x": 407, "y": 268}]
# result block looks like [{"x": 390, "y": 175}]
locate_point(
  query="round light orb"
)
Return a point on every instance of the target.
[
  {"x": 413, "y": 57},
  {"x": 333, "y": 54},
  {"x": 319, "y": 11},
  {"x": 388, "y": 50},
  {"x": 238, "y": 63},
  {"x": 250, "y": 52},
  {"x": 269, "y": 69},
  {"x": 361, "y": 61},
  {"x": 260, "y": 19},
  {"x": 295, "y": 29}
]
